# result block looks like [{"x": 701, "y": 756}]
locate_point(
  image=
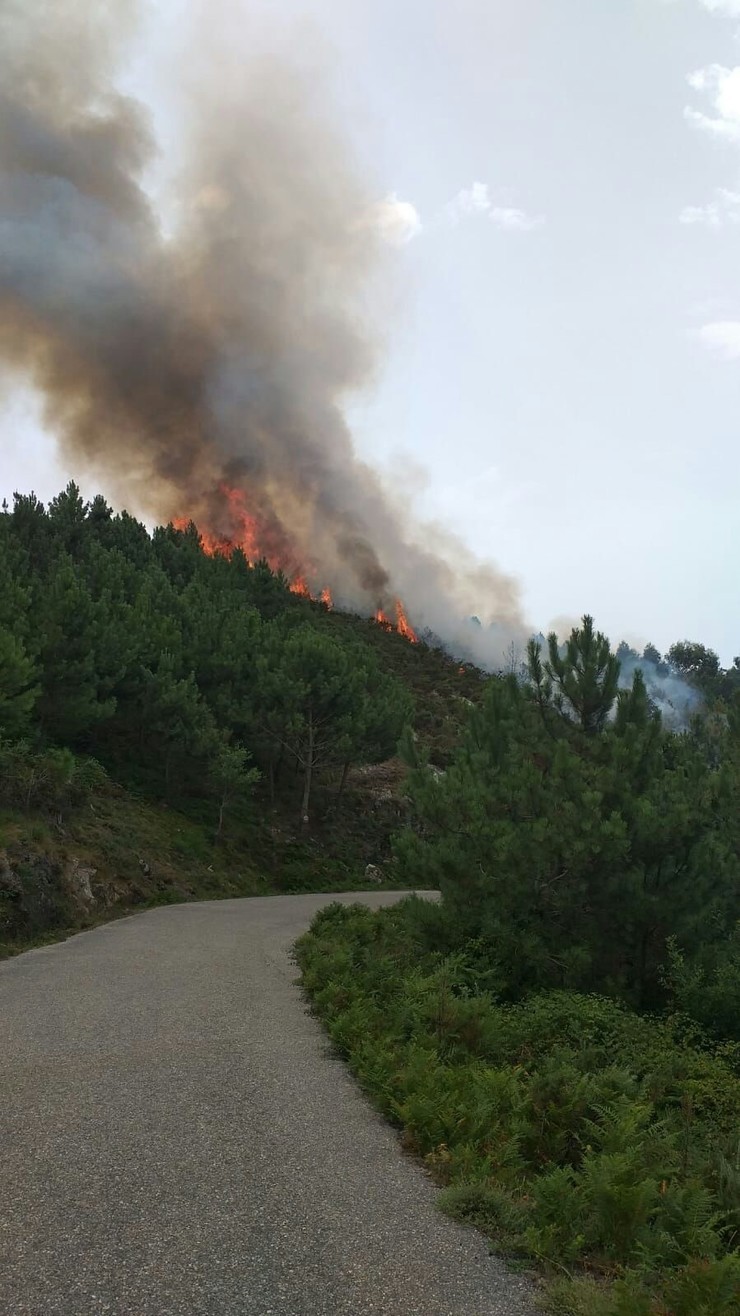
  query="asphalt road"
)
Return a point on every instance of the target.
[{"x": 176, "y": 1137}]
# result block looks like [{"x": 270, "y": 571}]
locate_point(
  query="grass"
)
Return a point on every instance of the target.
[
  {"x": 145, "y": 853},
  {"x": 136, "y": 854},
  {"x": 599, "y": 1145}
]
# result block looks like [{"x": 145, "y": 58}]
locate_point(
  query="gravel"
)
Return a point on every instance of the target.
[{"x": 176, "y": 1136}]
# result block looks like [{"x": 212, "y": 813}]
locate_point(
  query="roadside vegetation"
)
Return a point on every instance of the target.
[{"x": 559, "y": 1038}]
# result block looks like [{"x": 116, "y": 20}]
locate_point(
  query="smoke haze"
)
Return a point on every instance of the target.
[{"x": 199, "y": 355}]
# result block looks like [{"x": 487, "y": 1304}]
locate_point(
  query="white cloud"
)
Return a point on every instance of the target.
[
  {"x": 473, "y": 200},
  {"x": 477, "y": 200},
  {"x": 731, "y": 7},
  {"x": 723, "y": 209},
  {"x": 722, "y": 85},
  {"x": 397, "y": 221},
  {"x": 510, "y": 218},
  {"x": 722, "y": 337}
]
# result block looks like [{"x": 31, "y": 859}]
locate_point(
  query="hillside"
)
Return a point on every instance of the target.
[
  {"x": 559, "y": 1037},
  {"x": 143, "y": 686}
]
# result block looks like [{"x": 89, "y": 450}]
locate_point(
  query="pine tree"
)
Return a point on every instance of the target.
[
  {"x": 67, "y": 515},
  {"x": 323, "y": 702},
  {"x": 175, "y": 725},
  {"x": 67, "y": 629},
  {"x": 230, "y": 777},
  {"x": 573, "y": 858},
  {"x": 585, "y": 676},
  {"x": 19, "y": 688}
]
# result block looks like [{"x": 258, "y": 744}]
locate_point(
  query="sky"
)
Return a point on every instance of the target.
[{"x": 559, "y": 185}]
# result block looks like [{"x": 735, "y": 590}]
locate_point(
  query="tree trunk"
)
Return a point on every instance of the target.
[
  {"x": 221, "y": 808},
  {"x": 343, "y": 780},
  {"x": 308, "y": 775}
]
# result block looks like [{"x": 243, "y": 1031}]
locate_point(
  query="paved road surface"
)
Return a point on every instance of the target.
[{"x": 177, "y": 1138}]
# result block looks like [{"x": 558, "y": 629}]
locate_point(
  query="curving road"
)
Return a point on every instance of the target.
[{"x": 177, "y": 1138}]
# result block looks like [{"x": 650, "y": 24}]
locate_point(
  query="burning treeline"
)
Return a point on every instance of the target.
[
  {"x": 247, "y": 534},
  {"x": 196, "y": 341}
]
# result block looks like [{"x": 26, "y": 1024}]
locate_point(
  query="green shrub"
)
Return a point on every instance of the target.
[
  {"x": 49, "y": 779},
  {"x": 708, "y": 988},
  {"x": 572, "y": 1130}
]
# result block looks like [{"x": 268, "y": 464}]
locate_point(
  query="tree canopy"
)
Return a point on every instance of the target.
[
  {"x": 153, "y": 656},
  {"x": 575, "y": 837}
]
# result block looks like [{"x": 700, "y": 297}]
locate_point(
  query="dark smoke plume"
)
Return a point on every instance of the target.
[{"x": 202, "y": 364}]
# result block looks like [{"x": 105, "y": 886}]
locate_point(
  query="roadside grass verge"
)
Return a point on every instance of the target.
[
  {"x": 601, "y": 1145},
  {"x": 134, "y": 853},
  {"x": 138, "y": 852}
]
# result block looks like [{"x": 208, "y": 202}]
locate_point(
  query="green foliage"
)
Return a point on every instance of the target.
[
  {"x": 570, "y": 1129},
  {"x": 573, "y": 847},
  {"x": 136, "y": 852},
  {"x": 152, "y": 655},
  {"x": 696, "y": 662},
  {"x": 19, "y": 690},
  {"x": 230, "y": 778},
  {"x": 325, "y": 702},
  {"x": 707, "y": 986},
  {"x": 583, "y": 678},
  {"x": 68, "y": 636},
  {"x": 199, "y": 681},
  {"x": 51, "y": 778}
]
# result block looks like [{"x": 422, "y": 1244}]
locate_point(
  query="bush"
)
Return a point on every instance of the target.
[
  {"x": 572, "y": 1130},
  {"x": 708, "y": 988},
  {"x": 50, "y": 779}
]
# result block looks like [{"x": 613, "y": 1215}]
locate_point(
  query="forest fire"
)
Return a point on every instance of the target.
[
  {"x": 257, "y": 536},
  {"x": 299, "y": 586},
  {"x": 401, "y": 624},
  {"x": 257, "y": 541},
  {"x": 207, "y": 358}
]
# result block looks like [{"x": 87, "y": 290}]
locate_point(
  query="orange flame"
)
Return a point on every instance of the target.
[
  {"x": 247, "y": 537},
  {"x": 299, "y": 586},
  {"x": 403, "y": 625},
  {"x": 258, "y": 538}
]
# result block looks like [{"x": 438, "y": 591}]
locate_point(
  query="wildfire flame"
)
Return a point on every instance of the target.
[
  {"x": 299, "y": 586},
  {"x": 245, "y": 531},
  {"x": 401, "y": 624}
]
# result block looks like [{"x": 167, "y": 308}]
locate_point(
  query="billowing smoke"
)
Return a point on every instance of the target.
[
  {"x": 677, "y": 700},
  {"x": 200, "y": 356}
]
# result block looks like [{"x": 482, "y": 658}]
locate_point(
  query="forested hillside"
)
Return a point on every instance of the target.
[
  {"x": 560, "y": 1037},
  {"x": 174, "y": 723}
]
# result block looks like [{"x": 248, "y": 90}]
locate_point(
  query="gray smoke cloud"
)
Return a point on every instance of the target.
[
  {"x": 200, "y": 357},
  {"x": 677, "y": 700}
]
